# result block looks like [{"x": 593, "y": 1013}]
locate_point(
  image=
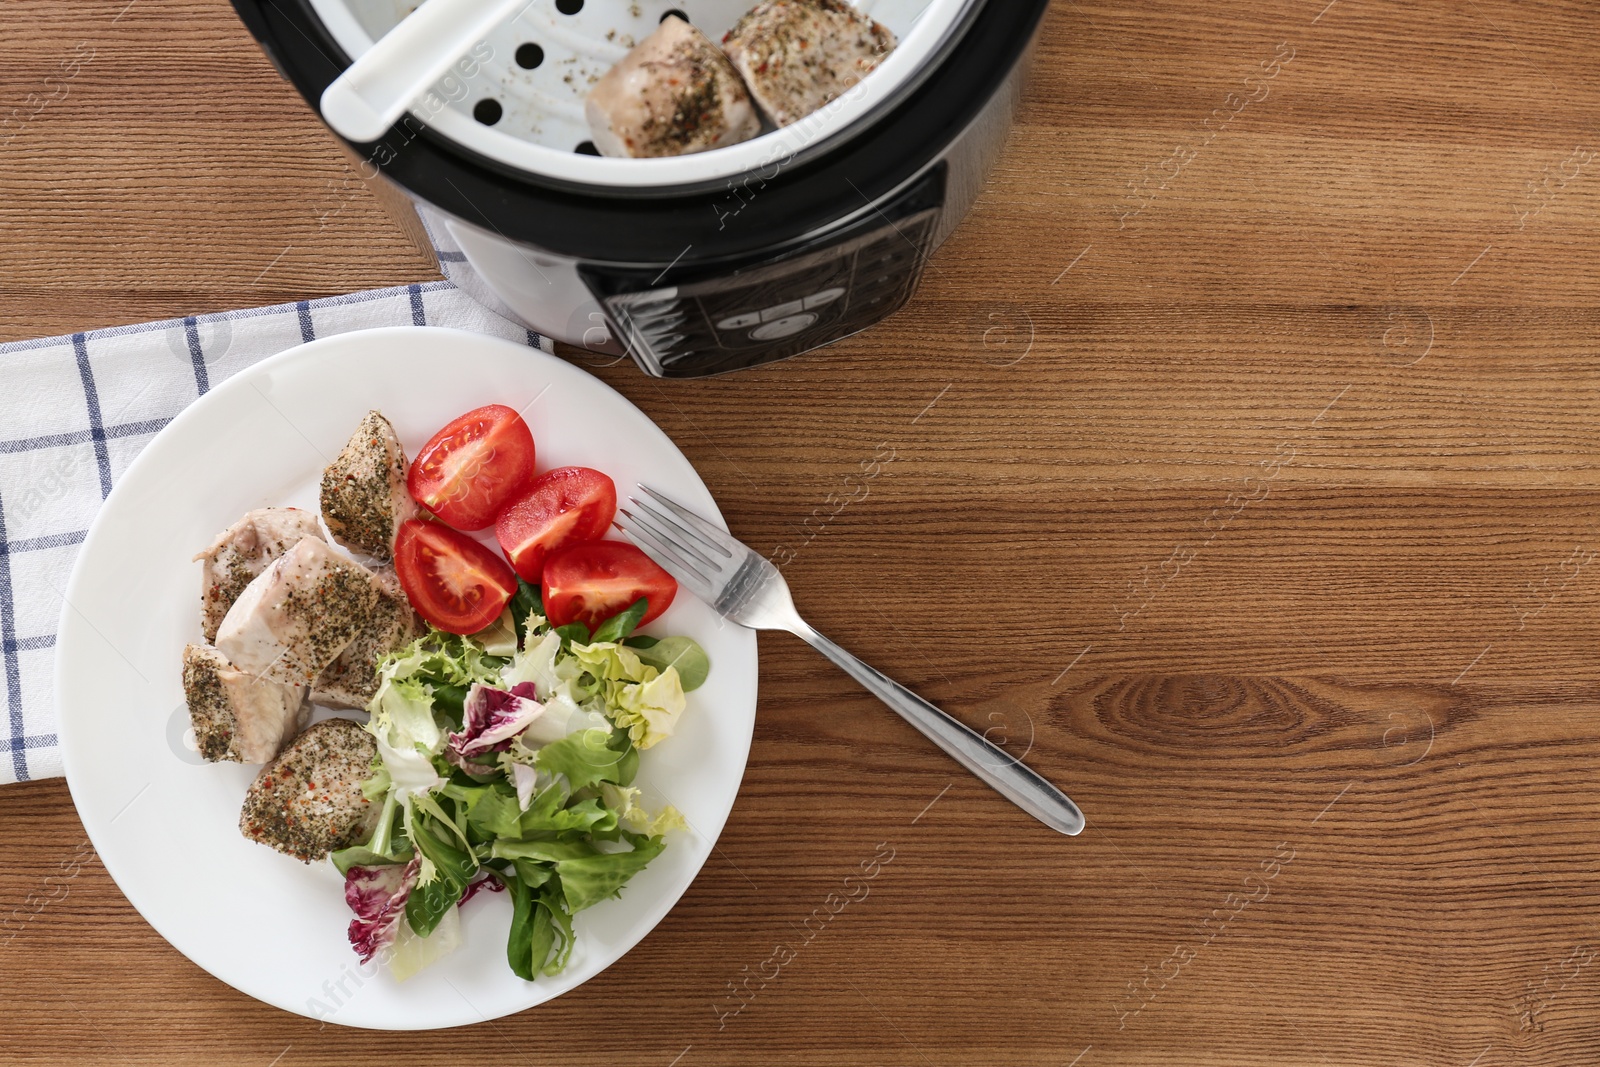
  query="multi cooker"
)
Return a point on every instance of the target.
[{"x": 698, "y": 264}]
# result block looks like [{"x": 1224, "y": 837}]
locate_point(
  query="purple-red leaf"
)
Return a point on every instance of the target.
[
  {"x": 492, "y": 717},
  {"x": 378, "y": 897}
]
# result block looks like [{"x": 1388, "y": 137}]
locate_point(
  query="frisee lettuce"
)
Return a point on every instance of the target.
[{"x": 512, "y": 755}]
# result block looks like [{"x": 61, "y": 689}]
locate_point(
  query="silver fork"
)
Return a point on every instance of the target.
[{"x": 744, "y": 587}]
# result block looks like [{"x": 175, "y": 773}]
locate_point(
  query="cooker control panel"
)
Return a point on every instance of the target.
[{"x": 691, "y": 324}]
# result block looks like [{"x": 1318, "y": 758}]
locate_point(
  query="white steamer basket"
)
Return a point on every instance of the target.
[{"x": 541, "y": 121}]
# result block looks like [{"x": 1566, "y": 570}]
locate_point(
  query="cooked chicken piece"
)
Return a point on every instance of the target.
[
  {"x": 237, "y": 717},
  {"x": 364, "y": 495},
  {"x": 299, "y": 614},
  {"x": 351, "y": 681},
  {"x": 796, "y": 55},
  {"x": 243, "y": 551},
  {"x": 308, "y": 803},
  {"x": 673, "y": 94}
]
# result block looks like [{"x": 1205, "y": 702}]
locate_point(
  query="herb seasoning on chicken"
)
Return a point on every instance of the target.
[
  {"x": 364, "y": 497},
  {"x": 236, "y": 717},
  {"x": 308, "y": 802},
  {"x": 797, "y": 55},
  {"x": 243, "y": 551},
  {"x": 672, "y": 95},
  {"x": 299, "y": 614},
  {"x": 351, "y": 681}
]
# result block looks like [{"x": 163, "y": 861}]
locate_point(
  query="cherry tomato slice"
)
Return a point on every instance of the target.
[
  {"x": 468, "y": 470},
  {"x": 591, "y": 582},
  {"x": 566, "y": 506},
  {"x": 451, "y": 580}
]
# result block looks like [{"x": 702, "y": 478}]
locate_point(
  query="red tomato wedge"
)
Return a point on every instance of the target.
[
  {"x": 468, "y": 470},
  {"x": 451, "y": 580},
  {"x": 565, "y": 506},
  {"x": 591, "y": 582}
]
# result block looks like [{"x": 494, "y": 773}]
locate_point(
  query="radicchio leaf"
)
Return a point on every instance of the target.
[
  {"x": 492, "y": 717},
  {"x": 378, "y": 897},
  {"x": 488, "y": 881}
]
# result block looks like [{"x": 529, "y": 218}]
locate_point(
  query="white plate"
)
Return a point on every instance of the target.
[{"x": 166, "y": 824}]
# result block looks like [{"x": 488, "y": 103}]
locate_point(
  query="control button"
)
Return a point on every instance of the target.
[
  {"x": 827, "y": 296},
  {"x": 788, "y": 327},
  {"x": 782, "y": 311},
  {"x": 740, "y": 322}
]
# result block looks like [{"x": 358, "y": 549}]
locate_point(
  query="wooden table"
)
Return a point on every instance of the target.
[{"x": 1238, "y": 462}]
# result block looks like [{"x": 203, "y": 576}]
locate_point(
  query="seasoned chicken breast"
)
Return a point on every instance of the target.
[
  {"x": 237, "y": 717},
  {"x": 351, "y": 681},
  {"x": 796, "y": 55},
  {"x": 364, "y": 496},
  {"x": 673, "y": 94},
  {"x": 299, "y": 614},
  {"x": 243, "y": 551},
  {"x": 308, "y": 803}
]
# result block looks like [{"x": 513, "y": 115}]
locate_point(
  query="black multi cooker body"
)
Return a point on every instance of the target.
[{"x": 699, "y": 279}]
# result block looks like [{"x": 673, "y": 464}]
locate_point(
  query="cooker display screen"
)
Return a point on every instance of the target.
[{"x": 690, "y": 326}]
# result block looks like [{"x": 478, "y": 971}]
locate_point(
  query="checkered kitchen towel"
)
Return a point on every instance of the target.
[{"x": 74, "y": 411}]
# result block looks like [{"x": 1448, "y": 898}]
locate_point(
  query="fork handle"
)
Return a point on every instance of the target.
[{"x": 1008, "y": 776}]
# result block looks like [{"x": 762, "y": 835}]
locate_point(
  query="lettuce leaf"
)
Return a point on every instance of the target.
[
  {"x": 492, "y": 812},
  {"x": 639, "y": 698},
  {"x": 540, "y": 940},
  {"x": 538, "y": 664},
  {"x": 440, "y": 658},
  {"x": 512, "y": 763},
  {"x": 587, "y": 816},
  {"x": 402, "y": 724},
  {"x": 587, "y": 875},
  {"x": 526, "y": 781},
  {"x": 611, "y": 662},
  {"x": 449, "y": 865},
  {"x": 412, "y": 951},
  {"x": 623, "y": 623},
  {"x": 588, "y": 880},
  {"x": 624, "y": 800},
  {"x": 683, "y": 654},
  {"x": 649, "y": 711},
  {"x": 527, "y": 610},
  {"x": 402, "y": 715},
  {"x": 589, "y": 757}
]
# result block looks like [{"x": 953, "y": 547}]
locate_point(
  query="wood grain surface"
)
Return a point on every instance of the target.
[{"x": 1239, "y": 464}]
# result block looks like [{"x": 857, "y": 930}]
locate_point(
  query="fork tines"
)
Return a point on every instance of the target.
[{"x": 691, "y": 548}]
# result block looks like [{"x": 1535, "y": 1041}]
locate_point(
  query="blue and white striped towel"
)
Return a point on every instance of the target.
[{"x": 74, "y": 411}]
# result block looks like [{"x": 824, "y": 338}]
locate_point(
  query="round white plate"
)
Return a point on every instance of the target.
[{"x": 165, "y": 823}]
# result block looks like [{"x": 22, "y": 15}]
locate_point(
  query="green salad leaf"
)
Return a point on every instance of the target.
[
  {"x": 631, "y": 815},
  {"x": 449, "y": 864},
  {"x": 638, "y": 697},
  {"x": 683, "y": 654},
  {"x": 359, "y": 856},
  {"x": 491, "y": 809},
  {"x": 527, "y": 609},
  {"x": 573, "y": 633},
  {"x": 589, "y": 757},
  {"x": 552, "y": 811},
  {"x": 587, "y": 880},
  {"x": 541, "y": 930},
  {"x": 623, "y": 623}
]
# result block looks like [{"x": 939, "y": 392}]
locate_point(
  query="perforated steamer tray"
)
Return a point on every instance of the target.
[{"x": 517, "y": 97}]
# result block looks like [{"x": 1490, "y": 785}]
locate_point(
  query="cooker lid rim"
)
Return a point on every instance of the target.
[
  {"x": 927, "y": 42},
  {"x": 605, "y": 225}
]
